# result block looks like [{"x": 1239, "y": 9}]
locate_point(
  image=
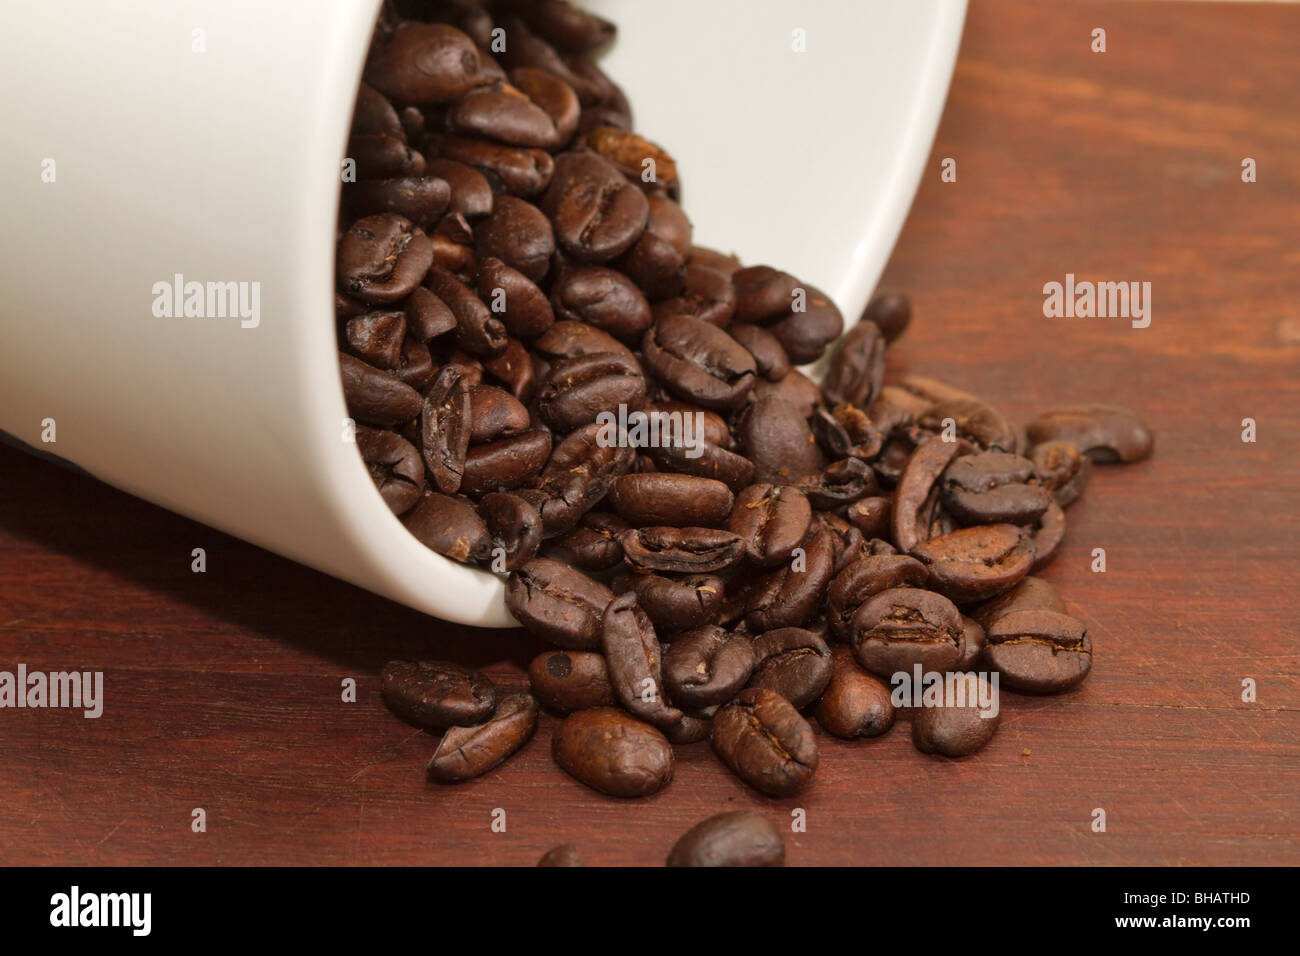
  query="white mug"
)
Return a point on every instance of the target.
[{"x": 151, "y": 145}]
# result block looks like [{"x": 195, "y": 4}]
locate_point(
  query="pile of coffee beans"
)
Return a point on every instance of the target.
[{"x": 551, "y": 380}]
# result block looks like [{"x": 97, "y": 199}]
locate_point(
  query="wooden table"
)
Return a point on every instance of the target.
[{"x": 223, "y": 689}]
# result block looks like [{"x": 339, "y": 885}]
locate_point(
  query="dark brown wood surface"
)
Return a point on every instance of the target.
[{"x": 223, "y": 689}]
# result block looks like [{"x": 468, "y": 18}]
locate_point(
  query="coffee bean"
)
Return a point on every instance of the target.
[
  {"x": 634, "y": 657},
  {"x": 565, "y": 681},
  {"x": 765, "y": 742},
  {"x": 770, "y": 359},
  {"x": 424, "y": 64},
  {"x": 597, "y": 214},
  {"x": 450, "y": 526},
  {"x": 699, "y": 362},
  {"x": 634, "y": 157},
  {"x": 382, "y": 258},
  {"x": 578, "y": 475},
  {"x": 567, "y": 26},
  {"x": 870, "y": 516},
  {"x": 478, "y": 331},
  {"x": 1031, "y": 594},
  {"x": 437, "y": 694},
  {"x": 707, "y": 294},
  {"x": 1105, "y": 433},
  {"x": 521, "y": 306},
  {"x": 536, "y": 109},
  {"x": 593, "y": 545},
  {"x": 1048, "y": 536},
  {"x": 471, "y": 193},
  {"x": 854, "y": 703},
  {"x": 563, "y": 855},
  {"x": 794, "y": 662},
  {"x": 558, "y": 603},
  {"x": 658, "y": 498},
  {"x": 1061, "y": 469},
  {"x": 467, "y": 752},
  {"x": 614, "y": 753},
  {"x": 685, "y": 550},
  {"x": 506, "y": 463},
  {"x": 738, "y": 838},
  {"x": 771, "y": 520},
  {"x": 445, "y": 428},
  {"x": 776, "y": 438},
  {"x": 674, "y": 603},
  {"x": 578, "y": 389},
  {"x": 977, "y": 425},
  {"x": 916, "y": 497},
  {"x": 901, "y": 627},
  {"x": 891, "y": 313},
  {"x": 567, "y": 339},
  {"x": 957, "y": 730},
  {"x": 515, "y": 369},
  {"x": 862, "y": 579},
  {"x": 374, "y": 396},
  {"x": 519, "y": 234},
  {"x": 974, "y": 564},
  {"x": 790, "y": 595},
  {"x": 1039, "y": 652},
  {"x": 518, "y": 171},
  {"x": 839, "y": 484},
  {"x": 394, "y": 466},
  {"x": 515, "y": 527},
  {"x": 604, "y": 298},
  {"x": 707, "y": 666},
  {"x": 857, "y": 367},
  {"x": 421, "y": 199},
  {"x": 993, "y": 488}
]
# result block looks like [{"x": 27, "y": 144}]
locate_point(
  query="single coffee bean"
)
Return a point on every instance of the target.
[
  {"x": 1061, "y": 469},
  {"x": 478, "y": 331},
  {"x": 973, "y": 642},
  {"x": 993, "y": 487},
  {"x": 796, "y": 388},
  {"x": 973, "y": 564},
  {"x": 1048, "y": 535},
  {"x": 656, "y": 262},
  {"x": 471, "y": 193},
  {"x": 916, "y": 497},
  {"x": 854, "y": 703},
  {"x": 427, "y": 316},
  {"x": 705, "y": 459},
  {"x": 421, "y": 199},
  {"x": 593, "y": 545},
  {"x": 515, "y": 368},
  {"x": 394, "y": 466},
  {"x": 578, "y": 389},
  {"x": 467, "y": 752},
  {"x": 450, "y": 526},
  {"x": 685, "y": 550},
  {"x": 375, "y": 396},
  {"x": 565, "y": 681},
  {"x": 691, "y": 729},
  {"x": 772, "y": 520},
  {"x": 564, "y": 855},
  {"x": 514, "y": 298},
  {"x": 839, "y": 484},
  {"x": 794, "y": 662},
  {"x": 902, "y": 627},
  {"x": 769, "y": 356},
  {"x": 707, "y": 294},
  {"x": 596, "y": 212},
  {"x": 634, "y": 657},
  {"x": 519, "y": 234},
  {"x": 805, "y": 332},
  {"x": 566, "y": 339},
  {"x": 864, "y": 578},
  {"x": 870, "y": 516},
  {"x": 629, "y": 154},
  {"x": 579, "y": 473},
  {"x": 891, "y": 313},
  {"x": 376, "y": 337},
  {"x": 791, "y": 594},
  {"x": 535, "y": 109},
  {"x": 977, "y": 425},
  {"x": 424, "y": 64},
  {"x": 495, "y": 413},
  {"x": 518, "y": 171},
  {"x": 958, "y": 730},
  {"x": 1039, "y": 652},
  {"x": 558, "y": 603},
  {"x": 776, "y": 438},
  {"x": 515, "y": 527},
  {"x": 699, "y": 362},
  {"x": 707, "y": 666},
  {"x": 506, "y": 463},
  {"x": 446, "y": 424},
  {"x": 738, "y": 838},
  {"x": 566, "y": 26},
  {"x": 1105, "y": 433},
  {"x": 674, "y": 604},
  {"x": 604, "y": 298},
  {"x": 857, "y": 367},
  {"x": 1031, "y": 594},
  {"x": 613, "y": 752},
  {"x": 765, "y": 742},
  {"x": 659, "y": 498},
  {"x": 437, "y": 694},
  {"x": 382, "y": 258},
  {"x": 380, "y": 156}
]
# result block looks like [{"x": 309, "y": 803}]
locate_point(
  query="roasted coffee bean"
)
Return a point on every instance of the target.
[
  {"x": 726, "y": 263},
  {"x": 706, "y": 294},
  {"x": 870, "y": 516},
  {"x": 565, "y": 681},
  {"x": 738, "y": 838},
  {"x": 579, "y": 473},
  {"x": 891, "y": 313},
  {"x": 916, "y": 496},
  {"x": 519, "y": 234},
  {"x": 373, "y": 113},
  {"x": 424, "y": 64},
  {"x": 564, "y": 855},
  {"x": 506, "y": 463},
  {"x": 604, "y": 298},
  {"x": 659, "y": 498},
  {"x": 765, "y": 742},
  {"x": 958, "y": 729},
  {"x": 674, "y": 603},
  {"x": 515, "y": 369},
  {"x": 521, "y": 306},
  {"x": 684, "y": 550},
  {"x": 707, "y": 460},
  {"x": 973, "y": 643},
  {"x": 796, "y": 388},
  {"x": 1031, "y": 594},
  {"x": 763, "y": 293},
  {"x": 794, "y": 662},
  {"x": 776, "y": 438},
  {"x": 699, "y": 362},
  {"x": 857, "y": 367},
  {"x": 593, "y": 545},
  {"x": 565, "y": 25},
  {"x": 535, "y": 109},
  {"x": 1061, "y": 469},
  {"x": 634, "y": 657},
  {"x": 467, "y": 752},
  {"x": 437, "y": 694},
  {"x": 634, "y": 157},
  {"x": 515, "y": 527},
  {"x": 394, "y": 466},
  {"x": 771, "y": 520},
  {"x": 1105, "y": 433},
  {"x": 597, "y": 214},
  {"x": 769, "y": 356},
  {"x": 416, "y": 367},
  {"x": 471, "y": 193},
  {"x": 450, "y": 526},
  {"x": 518, "y": 171},
  {"x": 525, "y": 49},
  {"x": 380, "y": 156},
  {"x": 839, "y": 484},
  {"x": 421, "y": 199},
  {"x": 864, "y": 578},
  {"x": 614, "y": 753},
  {"x": 973, "y": 564},
  {"x": 993, "y": 488},
  {"x": 707, "y": 666},
  {"x": 691, "y": 729},
  {"x": 791, "y": 594},
  {"x": 657, "y": 260},
  {"x": 445, "y": 428},
  {"x": 382, "y": 258},
  {"x": 558, "y": 603},
  {"x": 1039, "y": 652},
  {"x": 854, "y": 703},
  {"x": 1048, "y": 536},
  {"x": 566, "y": 339},
  {"x": 576, "y": 390},
  {"x": 901, "y": 627},
  {"x": 800, "y": 316},
  {"x": 478, "y": 331},
  {"x": 427, "y": 316},
  {"x": 495, "y": 413},
  {"x": 977, "y": 424}
]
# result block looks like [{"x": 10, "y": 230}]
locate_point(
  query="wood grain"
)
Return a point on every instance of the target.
[{"x": 223, "y": 689}]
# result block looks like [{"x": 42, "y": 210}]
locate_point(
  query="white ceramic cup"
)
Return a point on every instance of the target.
[{"x": 145, "y": 139}]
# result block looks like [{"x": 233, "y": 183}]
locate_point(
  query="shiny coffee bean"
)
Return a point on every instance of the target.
[
  {"x": 382, "y": 258},
  {"x": 977, "y": 424},
  {"x": 467, "y": 752},
  {"x": 515, "y": 299},
  {"x": 707, "y": 294},
  {"x": 519, "y": 234},
  {"x": 916, "y": 497},
  {"x": 896, "y": 629},
  {"x": 854, "y": 703},
  {"x": 794, "y": 662},
  {"x": 634, "y": 156},
  {"x": 394, "y": 466},
  {"x": 738, "y": 838},
  {"x": 870, "y": 516},
  {"x": 765, "y": 742},
  {"x": 421, "y": 199},
  {"x": 604, "y": 298},
  {"x": 507, "y": 463},
  {"x": 1031, "y": 594},
  {"x": 776, "y": 438},
  {"x": 558, "y": 603},
  {"x": 580, "y": 471},
  {"x": 957, "y": 730},
  {"x": 446, "y": 424},
  {"x": 1105, "y": 433},
  {"x": 1039, "y": 652},
  {"x": 674, "y": 603},
  {"x": 891, "y": 313},
  {"x": 634, "y": 657},
  {"x": 682, "y": 550},
  {"x": 791, "y": 594},
  {"x": 515, "y": 526},
  {"x": 1061, "y": 469},
  {"x": 594, "y": 544},
  {"x": 565, "y": 681},
  {"x": 699, "y": 362},
  {"x": 424, "y": 64},
  {"x": 839, "y": 484},
  {"x": 707, "y": 666},
  {"x": 578, "y": 389},
  {"x": 772, "y": 520},
  {"x": 857, "y": 367},
  {"x": 478, "y": 331},
  {"x": 596, "y": 212},
  {"x": 974, "y": 564},
  {"x": 450, "y": 526},
  {"x": 471, "y": 193},
  {"x": 518, "y": 171},
  {"x": 864, "y": 578},
  {"x": 660, "y": 498},
  {"x": 437, "y": 694},
  {"x": 376, "y": 337},
  {"x": 769, "y": 356},
  {"x": 495, "y": 413},
  {"x": 567, "y": 339},
  {"x": 564, "y": 855},
  {"x": 1048, "y": 535},
  {"x": 515, "y": 368},
  {"x": 613, "y": 752},
  {"x": 374, "y": 396},
  {"x": 993, "y": 488}
]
